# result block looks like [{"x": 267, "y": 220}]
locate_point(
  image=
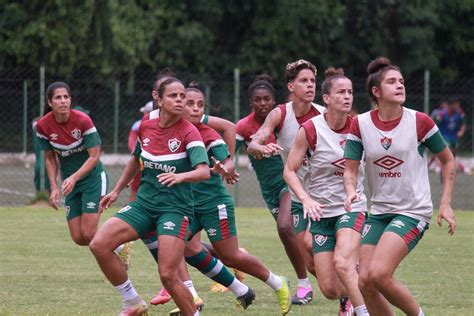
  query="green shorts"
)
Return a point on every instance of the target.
[
  {"x": 272, "y": 199},
  {"x": 410, "y": 229},
  {"x": 144, "y": 222},
  {"x": 219, "y": 225},
  {"x": 300, "y": 224},
  {"x": 85, "y": 197},
  {"x": 324, "y": 231}
]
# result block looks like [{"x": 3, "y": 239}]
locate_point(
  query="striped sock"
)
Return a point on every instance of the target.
[
  {"x": 151, "y": 242},
  {"x": 211, "y": 267}
]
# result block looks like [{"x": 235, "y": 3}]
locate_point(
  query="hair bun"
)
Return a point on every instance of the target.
[
  {"x": 264, "y": 77},
  {"x": 331, "y": 71},
  {"x": 377, "y": 64},
  {"x": 194, "y": 84}
]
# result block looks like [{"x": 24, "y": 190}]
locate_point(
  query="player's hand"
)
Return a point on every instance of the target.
[
  {"x": 218, "y": 167},
  {"x": 350, "y": 198},
  {"x": 268, "y": 150},
  {"x": 169, "y": 178},
  {"x": 232, "y": 178},
  {"x": 312, "y": 209},
  {"x": 446, "y": 213},
  {"x": 68, "y": 185},
  {"x": 54, "y": 198},
  {"x": 107, "y": 200}
]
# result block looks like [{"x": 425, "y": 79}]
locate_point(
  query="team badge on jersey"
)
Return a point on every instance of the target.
[
  {"x": 173, "y": 144},
  {"x": 296, "y": 220},
  {"x": 320, "y": 239},
  {"x": 76, "y": 133},
  {"x": 342, "y": 143},
  {"x": 386, "y": 142}
]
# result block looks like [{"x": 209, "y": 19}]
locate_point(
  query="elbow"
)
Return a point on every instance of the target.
[{"x": 205, "y": 174}]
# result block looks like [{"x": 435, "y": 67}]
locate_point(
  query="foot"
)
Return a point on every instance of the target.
[
  {"x": 162, "y": 297},
  {"x": 125, "y": 254},
  {"x": 198, "y": 302},
  {"x": 345, "y": 307},
  {"x": 302, "y": 296},
  {"x": 245, "y": 300},
  {"x": 218, "y": 288},
  {"x": 140, "y": 308},
  {"x": 284, "y": 296}
]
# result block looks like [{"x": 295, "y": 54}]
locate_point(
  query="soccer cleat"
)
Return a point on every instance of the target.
[
  {"x": 345, "y": 307},
  {"x": 218, "y": 288},
  {"x": 302, "y": 296},
  {"x": 245, "y": 300},
  {"x": 284, "y": 296},
  {"x": 141, "y": 308},
  {"x": 198, "y": 302},
  {"x": 125, "y": 254},
  {"x": 162, "y": 297}
]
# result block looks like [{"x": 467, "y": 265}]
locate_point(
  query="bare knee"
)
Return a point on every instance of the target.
[
  {"x": 379, "y": 278},
  {"x": 344, "y": 267},
  {"x": 329, "y": 291},
  {"x": 285, "y": 230},
  {"x": 79, "y": 239},
  {"x": 364, "y": 283},
  {"x": 169, "y": 277}
]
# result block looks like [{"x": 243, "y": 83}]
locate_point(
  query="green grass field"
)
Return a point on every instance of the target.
[{"x": 43, "y": 273}]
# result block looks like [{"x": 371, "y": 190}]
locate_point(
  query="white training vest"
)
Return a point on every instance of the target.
[
  {"x": 397, "y": 174},
  {"x": 287, "y": 136}
]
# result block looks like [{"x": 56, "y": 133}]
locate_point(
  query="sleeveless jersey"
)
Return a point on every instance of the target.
[
  {"x": 70, "y": 141},
  {"x": 269, "y": 170},
  {"x": 212, "y": 190},
  {"x": 396, "y": 161},
  {"x": 176, "y": 149},
  {"x": 326, "y": 167},
  {"x": 287, "y": 130}
]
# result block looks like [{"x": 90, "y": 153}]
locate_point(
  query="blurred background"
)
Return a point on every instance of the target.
[{"x": 110, "y": 51}]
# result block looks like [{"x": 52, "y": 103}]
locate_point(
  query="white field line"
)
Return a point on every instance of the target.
[{"x": 15, "y": 192}]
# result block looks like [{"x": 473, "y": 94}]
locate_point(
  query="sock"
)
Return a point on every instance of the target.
[
  {"x": 304, "y": 283},
  {"x": 151, "y": 242},
  {"x": 274, "y": 281},
  {"x": 238, "y": 288},
  {"x": 119, "y": 248},
  {"x": 361, "y": 311},
  {"x": 196, "y": 313},
  {"x": 421, "y": 313},
  {"x": 127, "y": 291},
  {"x": 211, "y": 267},
  {"x": 190, "y": 286}
]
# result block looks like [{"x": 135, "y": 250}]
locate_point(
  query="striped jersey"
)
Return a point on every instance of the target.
[
  {"x": 70, "y": 141},
  {"x": 178, "y": 148},
  {"x": 396, "y": 160},
  {"x": 287, "y": 130},
  {"x": 326, "y": 167}
]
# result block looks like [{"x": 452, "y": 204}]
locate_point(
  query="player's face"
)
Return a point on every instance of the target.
[
  {"x": 194, "y": 109},
  {"x": 173, "y": 98},
  {"x": 262, "y": 102},
  {"x": 340, "y": 96},
  {"x": 304, "y": 86},
  {"x": 392, "y": 88},
  {"x": 60, "y": 103}
]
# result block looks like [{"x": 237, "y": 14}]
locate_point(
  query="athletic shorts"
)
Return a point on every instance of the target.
[
  {"x": 410, "y": 229},
  {"x": 300, "y": 224},
  {"x": 85, "y": 197},
  {"x": 219, "y": 225},
  {"x": 324, "y": 232},
  {"x": 164, "y": 223},
  {"x": 272, "y": 199}
]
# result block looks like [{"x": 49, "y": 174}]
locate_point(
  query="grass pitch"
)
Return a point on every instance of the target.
[{"x": 43, "y": 273}]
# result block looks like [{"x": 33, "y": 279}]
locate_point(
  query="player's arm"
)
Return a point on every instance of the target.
[
  {"x": 351, "y": 172},
  {"x": 226, "y": 129},
  {"x": 89, "y": 164},
  {"x": 256, "y": 146},
  {"x": 297, "y": 153},
  {"x": 199, "y": 173},
  {"x": 52, "y": 171},
  {"x": 448, "y": 170}
]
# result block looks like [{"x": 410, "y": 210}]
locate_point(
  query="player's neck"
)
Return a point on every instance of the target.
[
  {"x": 167, "y": 119},
  {"x": 301, "y": 107},
  {"x": 61, "y": 117},
  {"x": 389, "y": 112},
  {"x": 335, "y": 120}
]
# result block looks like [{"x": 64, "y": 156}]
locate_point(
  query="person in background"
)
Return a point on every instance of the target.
[{"x": 132, "y": 141}]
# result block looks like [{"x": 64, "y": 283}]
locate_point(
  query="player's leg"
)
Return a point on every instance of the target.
[
  {"x": 73, "y": 207},
  {"x": 304, "y": 291},
  {"x": 303, "y": 236}
]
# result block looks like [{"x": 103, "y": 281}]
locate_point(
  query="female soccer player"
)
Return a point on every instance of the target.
[
  {"x": 214, "y": 212},
  {"x": 269, "y": 172},
  {"x": 71, "y": 135},
  {"x": 336, "y": 233},
  {"x": 171, "y": 154},
  {"x": 286, "y": 119},
  {"x": 394, "y": 140}
]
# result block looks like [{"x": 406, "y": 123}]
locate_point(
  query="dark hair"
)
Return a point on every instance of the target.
[
  {"x": 330, "y": 75},
  {"x": 50, "y": 93},
  {"x": 164, "y": 73},
  {"x": 262, "y": 81},
  {"x": 293, "y": 69},
  {"x": 166, "y": 83},
  {"x": 376, "y": 70},
  {"x": 194, "y": 86}
]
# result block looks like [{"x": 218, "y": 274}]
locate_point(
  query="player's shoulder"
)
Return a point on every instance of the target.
[
  {"x": 45, "y": 120},
  {"x": 208, "y": 133}
]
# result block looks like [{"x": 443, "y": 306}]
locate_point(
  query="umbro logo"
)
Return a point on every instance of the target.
[
  {"x": 169, "y": 225},
  {"x": 398, "y": 224},
  {"x": 211, "y": 232},
  {"x": 340, "y": 163},
  {"x": 124, "y": 209},
  {"x": 388, "y": 162},
  {"x": 91, "y": 205},
  {"x": 344, "y": 219},
  {"x": 53, "y": 136},
  {"x": 146, "y": 142}
]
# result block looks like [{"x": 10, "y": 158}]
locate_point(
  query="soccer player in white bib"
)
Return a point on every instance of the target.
[
  {"x": 335, "y": 232},
  {"x": 394, "y": 140},
  {"x": 286, "y": 120}
]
